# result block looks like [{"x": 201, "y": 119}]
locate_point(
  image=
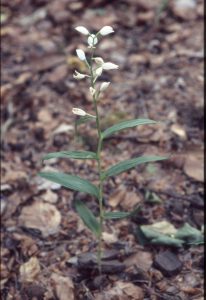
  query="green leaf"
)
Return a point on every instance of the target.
[
  {"x": 88, "y": 217},
  {"x": 161, "y": 233},
  {"x": 167, "y": 241},
  {"x": 158, "y": 229},
  {"x": 130, "y": 163},
  {"x": 71, "y": 182},
  {"x": 126, "y": 124},
  {"x": 120, "y": 214},
  {"x": 164, "y": 233},
  {"x": 189, "y": 234},
  {"x": 71, "y": 154}
]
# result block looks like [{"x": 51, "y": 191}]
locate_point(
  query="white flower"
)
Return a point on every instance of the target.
[
  {"x": 104, "y": 86},
  {"x": 78, "y": 111},
  {"x": 106, "y": 30},
  {"x": 98, "y": 60},
  {"x": 82, "y": 30},
  {"x": 98, "y": 71},
  {"x": 92, "y": 91},
  {"x": 78, "y": 75},
  {"x": 81, "y": 54},
  {"x": 92, "y": 40},
  {"x": 109, "y": 66},
  {"x": 103, "y": 66}
]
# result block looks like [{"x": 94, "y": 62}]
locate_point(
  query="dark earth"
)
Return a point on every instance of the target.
[{"x": 46, "y": 250}]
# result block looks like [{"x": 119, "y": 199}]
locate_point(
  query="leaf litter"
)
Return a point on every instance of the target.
[{"x": 161, "y": 78}]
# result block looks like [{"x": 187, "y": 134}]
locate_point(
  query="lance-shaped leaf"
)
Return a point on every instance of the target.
[
  {"x": 88, "y": 217},
  {"x": 71, "y": 154},
  {"x": 71, "y": 182},
  {"x": 129, "y": 164},
  {"x": 112, "y": 215},
  {"x": 126, "y": 124}
]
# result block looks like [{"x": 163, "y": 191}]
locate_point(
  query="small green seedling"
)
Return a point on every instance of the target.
[{"x": 96, "y": 66}]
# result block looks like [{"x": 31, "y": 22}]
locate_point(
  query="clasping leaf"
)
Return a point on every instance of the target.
[
  {"x": 120, "y": 214},
  {"x": 126, "y": 124},
  {"x": 71, "y": 154},
  {"x": 88, "y": 217},
  {"x": 72, "y": 182},
  {"x": 130, "y": 163}
]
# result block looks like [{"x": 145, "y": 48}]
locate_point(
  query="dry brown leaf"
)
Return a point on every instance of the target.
[
  {"x": 49, "y": 196},
  {"x": 142, "y": 259},
  {"x": 13, "y": 175},
  {"x": 147, "y": 5},
  {"x": 109, "y": 238},
  {"x": 142, "y": 58},
  {"x": 3, "y": 206},
  {"x": 30, "y": 270},
  {"x": 194, "y": 166},
  {"x": 23, "y": 78},
  {"x": 59, "y": 73},
  {"x": 12, "y": 203},
  {"x": 185, "y": 9},
  {"x": 45, "y": 116},
  {"x": 130, "y": 200},
  {"x": 3, "y": 282},
  {"x": 190, "y": 290},
  {"x": 117, "y": 196},
  {"x": 179, "y": 131},
  {"x": 4, "y": 89},
  {"x": 64, "y": 287},
  {"x": 27, "y": 244},
  {"x": 131, "y": 290},
  {"x": 4, "y": 270},
  {"x": 145, "y": 17},
  {"x": 46, "y": 62},
  {"x": 42, "y": 216}
]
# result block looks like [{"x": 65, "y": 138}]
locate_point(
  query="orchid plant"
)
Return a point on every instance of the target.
[{"x": 96, "y": 66}]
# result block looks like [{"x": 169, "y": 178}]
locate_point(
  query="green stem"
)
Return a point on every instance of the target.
[{"x": 99, "y": 147}]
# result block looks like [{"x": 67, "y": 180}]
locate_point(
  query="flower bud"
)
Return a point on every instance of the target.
[
  {"x": 81, "y": 54},
  {"x": 109, "y": 66},
  {"x": 78, "y": 111},
  {"x": 98, "y": 60},
  {"x": 92, "y": 91},
  {"x": 104, "y": 86},
  {"x": 78, "y": 75},
  {"x": 92, "y": 40},
  {"x": 82, "y": 30},
  {"x": 106, "y": 30},
  {"x": 98, "y": 71}
]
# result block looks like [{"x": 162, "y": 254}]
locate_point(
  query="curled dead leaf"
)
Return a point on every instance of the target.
[
  {"x": 30, "y": 270},
  {"x": 179, "y": 131},
  {"x": 141, "y": 259},
  {"x": 63, "y": 286},
  {"x": 42, "y": 216},
  {"x": 109, "y": 238},
  {"x": 50, "y": 196},
  {"x": 193, "y": 166},
  {"x": 131, "y": 290}
]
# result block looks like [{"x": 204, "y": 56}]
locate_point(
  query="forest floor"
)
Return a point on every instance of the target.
[{"x": 46, "y": 251}]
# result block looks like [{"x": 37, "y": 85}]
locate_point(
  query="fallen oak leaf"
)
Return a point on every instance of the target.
[
  {"x": 30, "y": 270},
  {"x": 42, "y": 216}
]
